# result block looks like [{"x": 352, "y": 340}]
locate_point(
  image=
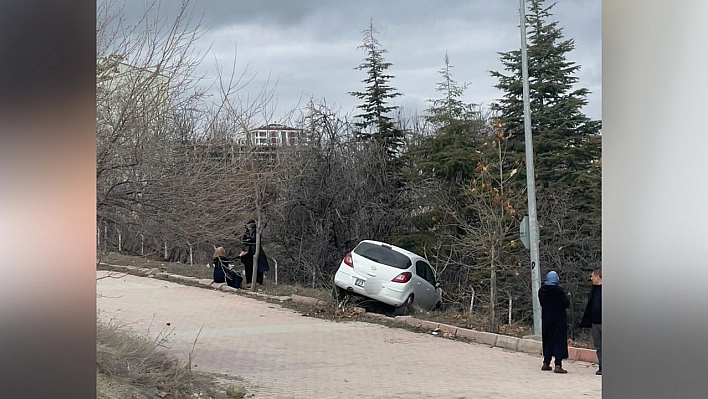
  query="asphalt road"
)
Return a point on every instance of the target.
[{"x": 281, "y": 354}]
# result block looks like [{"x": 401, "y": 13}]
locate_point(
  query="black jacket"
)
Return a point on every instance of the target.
[
  {"x": 221, "y": 268},
  {"x": 249, "y": 246},
  {"x": 554, "y": 326},
  {"x": 554, "y": 302},
  {"x": 593, "y": 310}
]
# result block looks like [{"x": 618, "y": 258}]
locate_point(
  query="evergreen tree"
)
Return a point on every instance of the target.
[
  {"x": 374, "y": 123},
  {"x": 564, "y": 149},
  {"x": 566, "y": 145},
  {"x": 457, "y": 129}
]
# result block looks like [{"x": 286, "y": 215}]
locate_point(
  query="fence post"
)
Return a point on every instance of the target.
[
  {"x": 472, "y": 300},
  {"x": 191, "y": 258},
  {"x": 510, "y": 302}
]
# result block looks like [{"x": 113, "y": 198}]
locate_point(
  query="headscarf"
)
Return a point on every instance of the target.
[{"x": 551, "y": 278}]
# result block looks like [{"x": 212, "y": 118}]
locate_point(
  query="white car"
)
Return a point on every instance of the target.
[{"x": 388, "y": 274}]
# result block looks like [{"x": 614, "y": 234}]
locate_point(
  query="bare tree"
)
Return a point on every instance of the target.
[
  {"x": 145, "y": 71},
  {"x": 172, "y": 173},
  {"x": 336, "y": 191}
]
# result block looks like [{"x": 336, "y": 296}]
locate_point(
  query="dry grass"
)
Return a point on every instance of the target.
[
  {"x": 286, "y": 289},
  {"x": 198, "y": 271},
  {"x": 131, "y": 365}
]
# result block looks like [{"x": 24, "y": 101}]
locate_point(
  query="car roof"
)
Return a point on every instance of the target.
[{"x": 397, "y": 249}]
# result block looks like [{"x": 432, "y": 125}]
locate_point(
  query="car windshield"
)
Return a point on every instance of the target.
[{"x": 383, "y": 255}]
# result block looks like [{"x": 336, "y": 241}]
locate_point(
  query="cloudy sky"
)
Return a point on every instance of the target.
[{"x": 310, "y": 46}]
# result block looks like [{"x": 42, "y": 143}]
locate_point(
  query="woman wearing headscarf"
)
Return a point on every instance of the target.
[{"x": 554, "y": 327}]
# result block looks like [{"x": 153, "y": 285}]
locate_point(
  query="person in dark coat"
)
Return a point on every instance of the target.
[
  {"x": 554, "y": 323},
  {"x": 249, "y": 251},
  {"x": 592, "y": 318},
  {"x": 223, "y": 273}
]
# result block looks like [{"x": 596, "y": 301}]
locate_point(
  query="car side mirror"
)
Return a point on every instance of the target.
[{"x": 438, "y": 285}]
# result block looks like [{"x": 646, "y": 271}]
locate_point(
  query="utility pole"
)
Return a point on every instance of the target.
[{"x": 530, "y": 180}]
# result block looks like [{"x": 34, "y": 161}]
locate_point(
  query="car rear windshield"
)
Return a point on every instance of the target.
[{"x": 383, "y": 255}]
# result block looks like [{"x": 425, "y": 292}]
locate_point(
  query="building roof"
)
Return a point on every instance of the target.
[{"x": 275, "y": 126}]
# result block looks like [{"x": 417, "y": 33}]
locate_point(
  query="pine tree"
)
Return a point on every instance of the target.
[
  {"x": 566, "y": 144},
  {"x": 374, "y": 123},
  {"x": 564, "y": 149},
  {"x": 457, "y": 128}
]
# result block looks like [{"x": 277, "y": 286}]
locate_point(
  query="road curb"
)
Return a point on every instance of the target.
[{"x": 529, "y": 346}]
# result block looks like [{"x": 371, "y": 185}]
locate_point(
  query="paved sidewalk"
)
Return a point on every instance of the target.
[{"x": 281, "y": 354}]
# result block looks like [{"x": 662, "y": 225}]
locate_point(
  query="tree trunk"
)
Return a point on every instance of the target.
[
  {"x": 493, "y": 294},
  {"x": 258, "y": 239}
]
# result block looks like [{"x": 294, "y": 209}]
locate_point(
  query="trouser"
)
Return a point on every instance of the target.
[
  {"x": 547, "y": 360},
  {"x": 597, "y": 341},
  {"x": 249, "y": 275}
]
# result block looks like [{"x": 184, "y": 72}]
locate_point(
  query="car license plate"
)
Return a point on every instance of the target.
[{"x": 359, "y": 282}]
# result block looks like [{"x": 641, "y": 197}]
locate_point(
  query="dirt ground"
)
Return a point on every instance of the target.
[
  {"x": 132, "y": 366},
  {"x": 476, "y": 322}
]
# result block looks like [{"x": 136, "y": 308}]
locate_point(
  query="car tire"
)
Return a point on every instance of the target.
[{"x": 405, "y": 308}]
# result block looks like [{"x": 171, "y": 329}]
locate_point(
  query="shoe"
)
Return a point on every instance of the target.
[
  {"x": 598, "y": 372},
  {"x": 560, "y": 370},
  {"x": 248, "y": 285},
  {"x": 546, "y": 367}
]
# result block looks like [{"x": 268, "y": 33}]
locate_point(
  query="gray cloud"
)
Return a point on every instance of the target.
[{"x": 310, "y": 46}]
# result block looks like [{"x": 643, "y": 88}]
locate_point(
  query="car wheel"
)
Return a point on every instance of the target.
[{"x": 405, "y": 308}]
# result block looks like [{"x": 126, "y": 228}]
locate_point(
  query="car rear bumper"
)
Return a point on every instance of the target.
[{"x": 376, "y": 289}]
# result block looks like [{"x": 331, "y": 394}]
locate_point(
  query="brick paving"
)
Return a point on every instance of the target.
[{"x": 281, "y": 354}]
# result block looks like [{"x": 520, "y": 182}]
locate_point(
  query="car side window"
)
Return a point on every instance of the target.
[
  {"x": 425, "y": 272},
  {"x": 420, "y": 269},
  {"x": 430, "y": 275}
]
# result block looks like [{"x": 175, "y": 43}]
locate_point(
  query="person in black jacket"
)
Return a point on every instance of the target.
[
  {"x": 249, "y": 251},
  {"x": 592, "y": 318},
  {"x": 554, "y": 327},
  {"x": 223, "y": 273}
]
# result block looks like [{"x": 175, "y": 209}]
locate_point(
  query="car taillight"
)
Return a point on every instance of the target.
[
  {"x": 348, "y": 260},
  {"x": 402, "y": 278}
]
